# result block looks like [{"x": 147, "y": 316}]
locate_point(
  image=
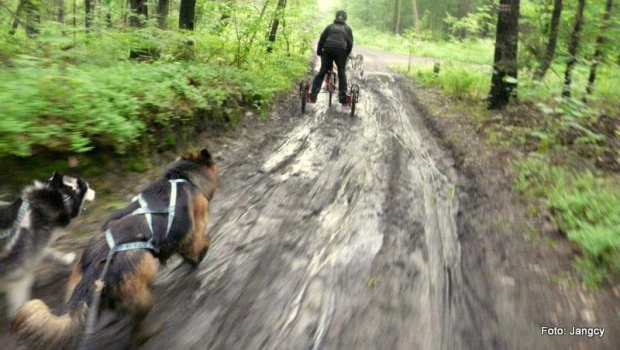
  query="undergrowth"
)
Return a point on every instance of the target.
[
  {"x": 573, "y": 147},
  {"x": 479, "y": 51},
  {"x": 463, "y": 82},
  {"x": 586, "y": 207},
  {"x": 78, "y": 107},
  {"x": 71, "y": 90}
]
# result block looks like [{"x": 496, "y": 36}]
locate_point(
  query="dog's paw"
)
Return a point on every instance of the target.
[
  {"x": 144, "y": 333},
  {"x": 69, "y": 258}
]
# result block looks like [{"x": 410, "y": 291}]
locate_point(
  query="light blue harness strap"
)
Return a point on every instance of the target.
[
  {"x": 136, "y": 245},
  {"x": 173, "y": 203},
  {"x": 144, "y": 209},
  {"x": 127, "y": 246},
  {"x": 147, "y": 212},
  {"x": 110, "y": 239},
  {"x": 9, "y": 232}
]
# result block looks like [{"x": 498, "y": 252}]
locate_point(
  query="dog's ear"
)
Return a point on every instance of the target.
[
  {"x": 70, "y": 181},
  {"x": 56, "y": 179},
  {"x": 202, "y": 157},
  {"x": 206, "y": 156},
  {"x": 188, "y": 156}
]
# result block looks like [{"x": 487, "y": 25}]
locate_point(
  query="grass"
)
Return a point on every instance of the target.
[
  {"x": 92, "y": 97},
  {"x": 585, "y": 206},
  {"x": 479, "y": 51},
  {"x": 77, "y": 108},
  {"x": 472, "y": 83},
  {"x": 464, "y": 83},
  {"x": 67, "y": 90},
  {"x": 564, "y": 140}
]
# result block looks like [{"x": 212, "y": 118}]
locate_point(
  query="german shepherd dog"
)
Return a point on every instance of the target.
[
  {"x": 28, "y": 227},
  {"x": 131, "y": 274}
]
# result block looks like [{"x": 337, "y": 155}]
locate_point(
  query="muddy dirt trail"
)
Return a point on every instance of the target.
[
  {"x": 332, "y": 232},
  {"x": 341, "y": 233}
]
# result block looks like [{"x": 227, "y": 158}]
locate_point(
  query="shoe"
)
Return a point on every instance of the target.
[
  {"x": 346, "y": 102},
  {"x": 310, "y": 98}
]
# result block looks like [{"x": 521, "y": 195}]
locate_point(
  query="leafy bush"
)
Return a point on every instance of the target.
[
  {"x": 465, "y": 83},
  {"x": 473, "y": 24},
  {"x": 585, "y": 207},
  {"x": 475, "y": 50},
  {"x": 70, "y": 90},
  {"x": 76, "y": 108}
]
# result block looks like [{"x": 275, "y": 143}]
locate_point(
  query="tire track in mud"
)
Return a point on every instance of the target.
[{"x": 344, "y": 235}]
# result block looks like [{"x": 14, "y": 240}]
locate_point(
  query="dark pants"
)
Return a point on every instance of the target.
[{"x": 329, "y": 56}]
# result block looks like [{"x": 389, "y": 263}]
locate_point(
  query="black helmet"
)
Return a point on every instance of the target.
[{"x": 341, "y": 15}]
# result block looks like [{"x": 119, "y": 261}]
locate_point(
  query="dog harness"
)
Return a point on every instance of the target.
[
  {"x": 148, "y": 213},
  {"x": 100, "y": 282},
  {"x": 11, "y": 231}
]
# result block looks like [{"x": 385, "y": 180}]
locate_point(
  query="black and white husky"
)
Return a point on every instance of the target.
[{"x": 28, "y": 227}]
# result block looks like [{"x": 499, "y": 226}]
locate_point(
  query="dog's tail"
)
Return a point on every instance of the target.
[{"x": 35, "y": 326}]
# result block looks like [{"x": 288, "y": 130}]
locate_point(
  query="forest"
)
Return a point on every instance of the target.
[
  {"x": 139, "y": 76},
  {"x": 538, "y": 78},
  {"x": 72, "y": 73}
]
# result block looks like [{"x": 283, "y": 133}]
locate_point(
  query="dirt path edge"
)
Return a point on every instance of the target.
[{"x": 521, "y": 260}]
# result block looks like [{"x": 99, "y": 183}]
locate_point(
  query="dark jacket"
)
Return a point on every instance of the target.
[{"x": 337, "y": 35}]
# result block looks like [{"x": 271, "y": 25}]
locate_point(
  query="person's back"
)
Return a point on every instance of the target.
[
  {"x": 335, "y": 45},
  {"x": 338, "y": 36}
]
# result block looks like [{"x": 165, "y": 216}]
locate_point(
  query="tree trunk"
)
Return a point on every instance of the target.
[
  {"x": 275, "y": 23},
  {"x": 187, "y": 14},
  {"x": 386, "y": 15},
  {"x": 16, "y": 20},
  {"x": 33, "y": 17},
  {"x": 600, "y": 40},
  {"x": 505, "y": 66},
  {"x": 89, "y": 8},
  {"x": 61, "y": 16},
  {"x": 248, "y": 47},
  {"x": 397, "y": 15},
  {"x": 74, "y": 22},
  {"x": 416, "y": 17},
  {"x": 61, "y": 12},
  {"x": 553, "y": 41},
  {"x": 573, "y": 47},
  {"x": 138, "y": 8},
  {"x": 163, "y": 8}
]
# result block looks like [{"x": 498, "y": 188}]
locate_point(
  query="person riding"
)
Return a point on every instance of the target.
[{"x": 335, "y": 45}]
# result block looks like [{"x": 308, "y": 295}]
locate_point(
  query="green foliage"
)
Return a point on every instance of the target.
[
  {"x": 473, "y": 24},
  {"x": 381, "y": 15},
  {"x": 76, "y": 108},
  {"x": 71, "y": 90},
  {"x": 471, "y": 50},
  {"x": 561, "y": 122},
  {"x": 535, "y": 27},
  {"x": 463, "y": 82},
  {"x": 585, "y": 207},
  {"x": 567, "y": 122}
]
